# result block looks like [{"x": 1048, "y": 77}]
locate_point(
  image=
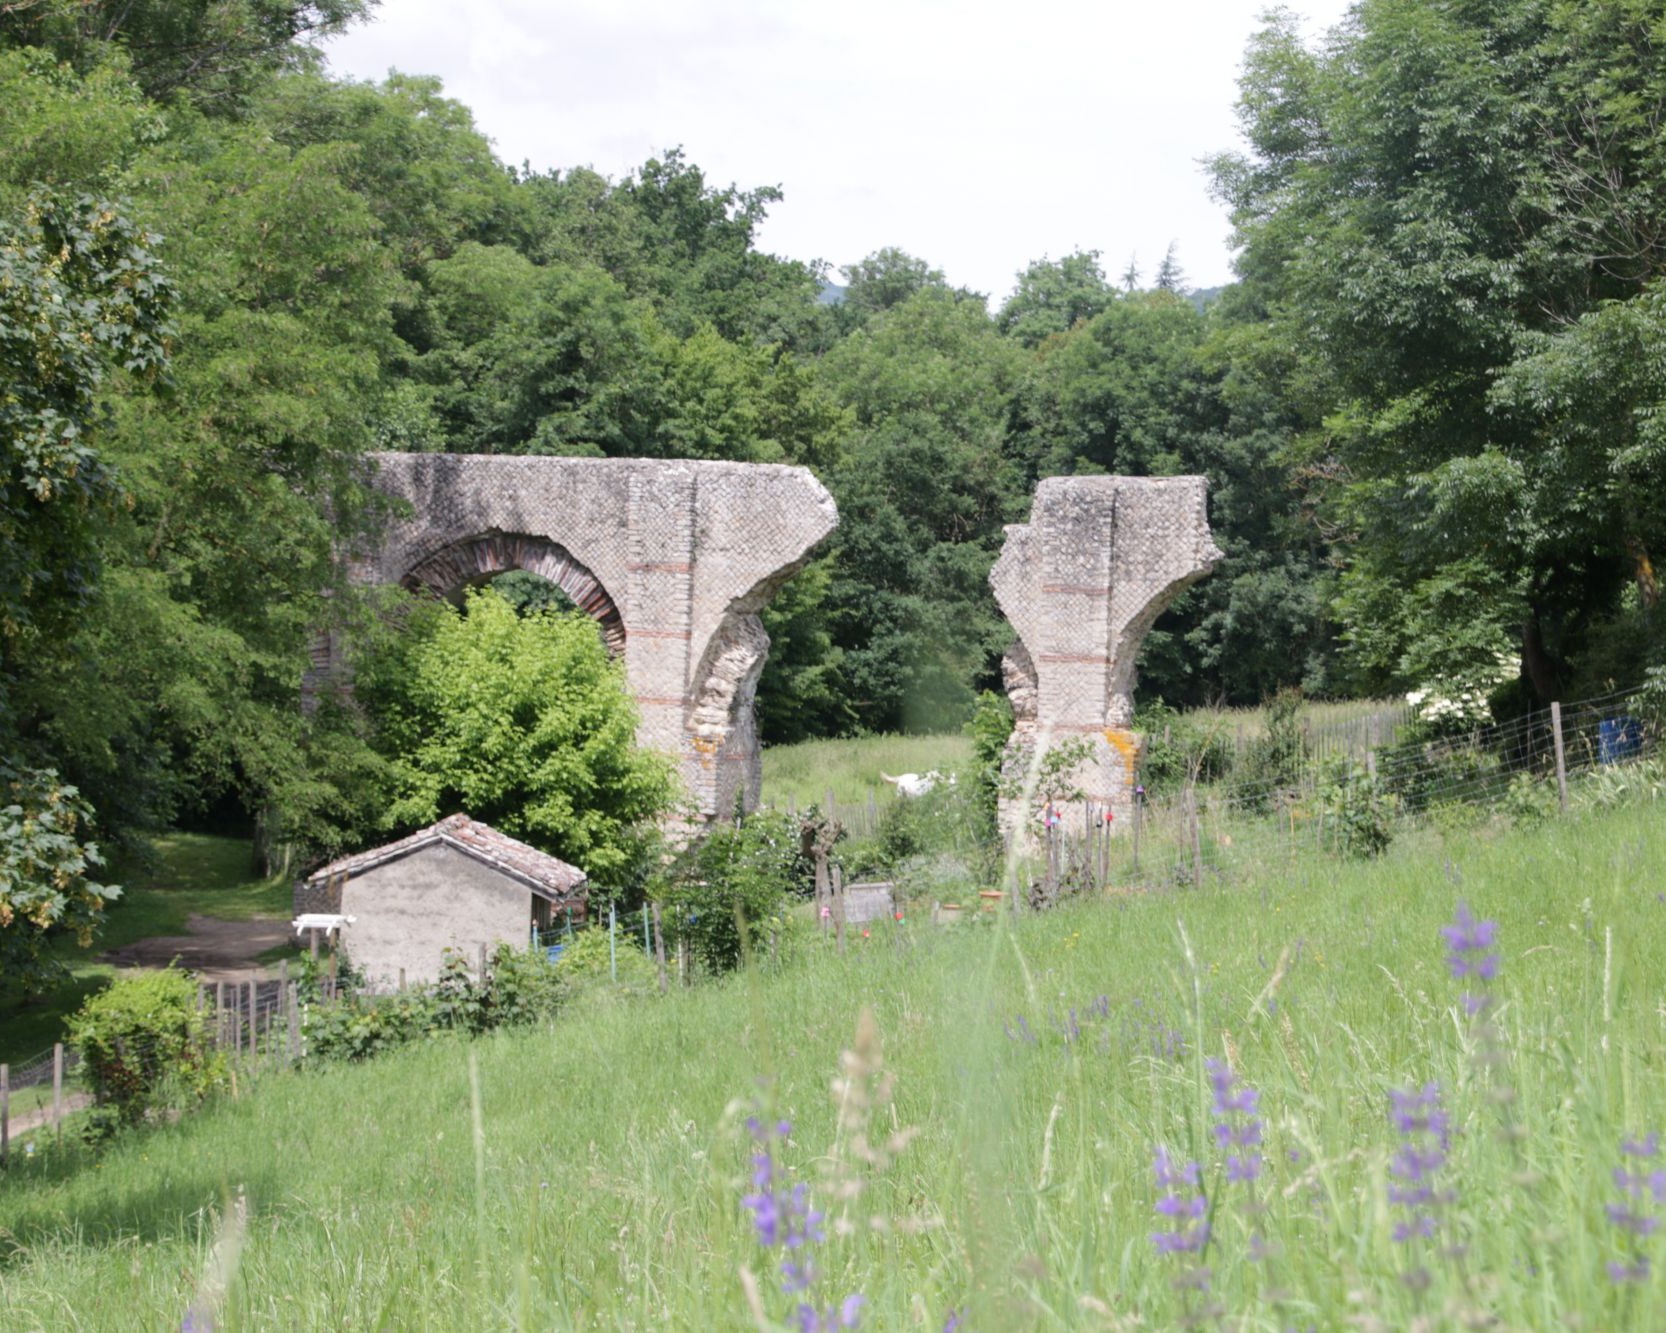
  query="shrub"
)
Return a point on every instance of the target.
[
  {"x": 990, "y": 727},
  {"x": 1529, "y": 800},
  {"x": 587, "y": 963},
  {"x": 1277, "y": 759},
  {"x": 1177, "y": 747},
  {"x": 946, "y": 819},
  {"x": 1422, "y": 773},
  {"x": 1364, "y": 813},
  {"x": 525, "y": 989},
  {"x": 146, "y": 1045},
  {"x": 744, "y": 873},
  {"x": 520, "y": 988},
  {"x": 360, "y": 1027}
]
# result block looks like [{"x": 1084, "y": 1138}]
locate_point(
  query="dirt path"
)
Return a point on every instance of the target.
[
  {"x": 21, "y": 1122},
  {"x": 216, "y": 949}
]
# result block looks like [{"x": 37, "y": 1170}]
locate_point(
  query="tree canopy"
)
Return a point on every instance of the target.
[{"x": 1428, "y": 410}]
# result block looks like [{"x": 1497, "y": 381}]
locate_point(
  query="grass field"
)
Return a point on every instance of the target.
[
  {"x": 192, "y": 873},
  {"x": 805, "y": 772},
  {"x": 591, "y": 1175}
]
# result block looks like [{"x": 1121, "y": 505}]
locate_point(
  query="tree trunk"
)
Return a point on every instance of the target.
[{"x": 1542, "y": 672}]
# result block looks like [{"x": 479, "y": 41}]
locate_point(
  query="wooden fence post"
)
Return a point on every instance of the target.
[
  {"x": 839, "y": 907},
  {"x": 1197, "y": 836},
  {"x": 1561, "y": 755},
  {"x": 293, "y": 1002},
  {"x": 1139, "y": 818},
  {"x": 659, "y": 948},
  {"x": 254, "y": 1014},
  {"x": 5, "y": 1112},
  {"x": 58, "y": 1089}
]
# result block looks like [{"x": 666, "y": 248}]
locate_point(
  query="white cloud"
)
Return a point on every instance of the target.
[{"x": 977, "y": 136}]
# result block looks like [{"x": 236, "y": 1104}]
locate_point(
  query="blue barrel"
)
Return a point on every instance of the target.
[
  {"x": 1618, "y": 739},
  {"x": 553, "y": 953}
]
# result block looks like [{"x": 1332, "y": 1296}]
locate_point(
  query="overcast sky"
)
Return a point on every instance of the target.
[{"x": 977, "y": 136}]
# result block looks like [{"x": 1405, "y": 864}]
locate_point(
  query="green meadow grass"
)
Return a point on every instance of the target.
[
  {"x": 189, "y": 873},
  {"x": 591, "y": 1175},
  {"x": 805, "y": 772}
]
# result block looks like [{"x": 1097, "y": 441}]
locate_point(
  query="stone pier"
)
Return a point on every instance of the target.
[{"x": 1082, "y": 583}]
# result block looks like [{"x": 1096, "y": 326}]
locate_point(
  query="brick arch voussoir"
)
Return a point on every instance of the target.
[{"x": 467, "y": 562}]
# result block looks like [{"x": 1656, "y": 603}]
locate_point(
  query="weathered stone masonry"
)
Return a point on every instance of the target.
[
  {"x": 1082, "y": 583},
  {"x": 673, "y": 559}
]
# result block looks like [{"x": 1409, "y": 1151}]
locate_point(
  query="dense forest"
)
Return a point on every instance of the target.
[{"x": 1427, "y": 409}]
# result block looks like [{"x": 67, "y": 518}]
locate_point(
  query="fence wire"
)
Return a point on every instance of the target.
[{"x": 1209, "y": 831}]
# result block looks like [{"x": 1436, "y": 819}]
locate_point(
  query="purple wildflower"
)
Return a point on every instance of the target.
[
  {"x": 1180, "y": 1204},
  {"x": 785, "y": 1220},
  {"x": 812, "y": 1320},
  {"x": 1639, "y": 1190},
  {"x": 1470, "y": 953},
  {"x": 954, "y": 1323},
  {"x": 1237, "y": 1124},
  {"x": 1238, "y": 1131},
  {"x": 1425, "y": 1134}
]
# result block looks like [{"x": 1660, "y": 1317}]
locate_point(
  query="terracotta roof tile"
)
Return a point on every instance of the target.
[{"x": 544, "y": 874}]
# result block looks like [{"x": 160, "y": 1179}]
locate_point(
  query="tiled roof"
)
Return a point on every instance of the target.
[{"x": 544, "y": 874}]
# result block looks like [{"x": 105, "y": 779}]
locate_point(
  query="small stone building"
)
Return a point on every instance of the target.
[{"x": 458, "y": 884}]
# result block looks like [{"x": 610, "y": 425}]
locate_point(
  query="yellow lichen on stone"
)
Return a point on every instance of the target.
[{"x": 1126, "y": 744}]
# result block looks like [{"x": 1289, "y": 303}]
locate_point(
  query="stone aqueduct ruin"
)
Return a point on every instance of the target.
[
  {"x": 1082, "y": 583},
  {"x": 674, "y": 560}
]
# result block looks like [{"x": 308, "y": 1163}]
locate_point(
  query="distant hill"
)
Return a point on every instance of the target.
[{"x": 830, "y": 294}]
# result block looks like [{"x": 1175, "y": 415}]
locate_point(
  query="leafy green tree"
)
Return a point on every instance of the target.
[
  {"x": 1447, "y": 213},
  {"x": 923, "y": 491},
  {"x": 687, "y": 247},
  {"x": 802, "y": 692},
  {"x": 178, "y": 682},
  {"x": 522, "y": 722},
  {"x": 80, "y": 295},
  {"x": 210, "y": 51},
  {"x": 46, "y": 858},
  {"x": 1055, "y": 295},
  {"x": 425, "y": 171},
  {"x": 67, "y": 131},
  {"x": 886, "y": 279}
]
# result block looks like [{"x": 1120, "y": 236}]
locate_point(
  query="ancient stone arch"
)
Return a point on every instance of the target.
[
  {"x": 1082, "y": 583},
  {"x": 475, "y": 560},
  {"x": 674, "y": 559}
]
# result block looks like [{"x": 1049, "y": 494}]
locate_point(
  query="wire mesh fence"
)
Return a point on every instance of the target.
[{"x": 1343, "y": 792}]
